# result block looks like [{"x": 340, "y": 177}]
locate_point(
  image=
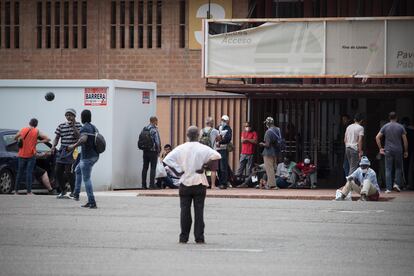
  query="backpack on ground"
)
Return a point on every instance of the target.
[
  {"x": 145, "y": 141},
  {"x": 99, "y": 141},
  {"x": 205, "y": 138}
]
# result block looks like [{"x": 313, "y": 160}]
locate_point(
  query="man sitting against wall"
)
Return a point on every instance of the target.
[
  {"x": 304, "y": 174},
  {"x": 284, "y": 172},
  {"x": 363, "y": 181}
]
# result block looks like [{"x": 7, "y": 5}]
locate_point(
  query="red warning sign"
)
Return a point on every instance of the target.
[{"x": 96, "y": 96}]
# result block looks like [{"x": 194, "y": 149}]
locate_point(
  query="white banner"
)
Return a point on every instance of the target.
[{"x": 343, "y": 48}]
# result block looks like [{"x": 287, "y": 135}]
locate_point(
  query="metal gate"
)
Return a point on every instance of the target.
[{"x": 310, "y": 127}]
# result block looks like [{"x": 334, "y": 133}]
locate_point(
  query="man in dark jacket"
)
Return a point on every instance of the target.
[
  {"x": 151, "y": 155},
  {"x": 222, "y": 142}
]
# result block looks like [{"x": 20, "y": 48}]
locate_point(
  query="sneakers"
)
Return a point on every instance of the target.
[
  {"x": 62, "y": 196},
  {"x": 90, "y": 206},
  {"x": 396, "y": 188},
  {"x": 363, "y": 198},
  {"x": 52, "y": 192},
  {"x": 71, "y": 195},
  {"x": 387, "y": 191},
  {"x": 76, "y": 197},
  {"x": 222, "y": 187}
]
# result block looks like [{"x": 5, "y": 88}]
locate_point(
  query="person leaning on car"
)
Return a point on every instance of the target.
[{"x": 28, "y": 137}]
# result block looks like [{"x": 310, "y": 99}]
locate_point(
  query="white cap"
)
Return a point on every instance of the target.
[{"x": 225, "y": 118}]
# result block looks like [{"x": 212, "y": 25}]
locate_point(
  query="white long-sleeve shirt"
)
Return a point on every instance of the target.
[{"x": 188, "y": 158}]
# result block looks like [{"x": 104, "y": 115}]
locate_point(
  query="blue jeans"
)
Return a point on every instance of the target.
[
  {"x": 396, "y": 159},
  {"x": 282, "y": 183},
  {"x": 25, "y": 165},
  {"x": 83, "y": 172},
  {"x": 224, "y": 167}
]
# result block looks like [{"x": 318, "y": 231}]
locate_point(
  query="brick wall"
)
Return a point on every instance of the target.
[{"x": 174, "y": 69}]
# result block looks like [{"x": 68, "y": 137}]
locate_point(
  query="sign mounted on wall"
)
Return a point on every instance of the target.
[
  {"x": 146, "y": 97},
  {"x": 198, "y": 10},
  {"x": 96, "y": 96},
  {"x": 311, "y": 47}
]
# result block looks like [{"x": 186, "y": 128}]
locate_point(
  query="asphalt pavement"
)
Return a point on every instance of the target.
[{"x": 129, "y": 235}]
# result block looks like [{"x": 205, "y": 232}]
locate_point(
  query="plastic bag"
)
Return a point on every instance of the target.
[{"x": 160, "y": 172}]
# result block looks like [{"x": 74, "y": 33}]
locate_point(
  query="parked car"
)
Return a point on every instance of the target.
[{"x": 8, "y": 162}]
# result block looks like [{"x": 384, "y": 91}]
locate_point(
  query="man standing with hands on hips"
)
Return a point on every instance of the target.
[{"x": 191, "y": 158}]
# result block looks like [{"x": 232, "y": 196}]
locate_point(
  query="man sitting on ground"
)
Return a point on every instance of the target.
[
  {"x": 304, "y": 174},
  {"x": 284, "y": 173},
  {"x": 363, "y": 181},
  {"x": 254, "y": 178}
]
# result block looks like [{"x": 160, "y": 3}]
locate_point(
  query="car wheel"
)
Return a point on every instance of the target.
[{"x": 6, "y": 181}]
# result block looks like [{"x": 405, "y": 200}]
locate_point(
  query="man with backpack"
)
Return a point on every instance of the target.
[
  {"x": 208, "y": 137},
  {"x": 150, "y": 142},
  {"x": 272, "y": 146},
  {"x": 88, "y": 157}
]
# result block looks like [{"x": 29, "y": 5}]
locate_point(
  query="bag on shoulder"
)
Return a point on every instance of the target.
[
  {"x": 145, "y": 141},
  {"x": 230, "y": 147},
  {"x": 278, "y": 142},
  {"x": 20, "y": 140},
  {"x": 205, "y": 138},
  {"x": 99, "y": 141}
]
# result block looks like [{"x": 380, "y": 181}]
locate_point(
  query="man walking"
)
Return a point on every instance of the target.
[
  {"x": 354, "y": 135},
  {"x": 191, "y": 158},
  {"x": 394, "y": 133},
  {"x": 88, "y": 157},
  {"x": 27, "y": 139},
  {"x": 271, "y": 144},
  {"x": 151, "y": 153},
  {"x": 222, "y": 142},
  {"x": 208, "y": 137},
  {"x": 249, "y": 141},
  {"x": 68, "y": 134}
]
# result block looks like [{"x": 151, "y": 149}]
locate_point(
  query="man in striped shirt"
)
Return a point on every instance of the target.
[{"x": 68, "y": 133}]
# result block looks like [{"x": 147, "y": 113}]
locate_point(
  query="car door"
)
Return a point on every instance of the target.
[{"x": 9, "y": 150}]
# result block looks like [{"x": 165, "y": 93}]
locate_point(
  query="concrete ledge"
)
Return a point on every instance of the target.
[{"x": 325, "y": 194}]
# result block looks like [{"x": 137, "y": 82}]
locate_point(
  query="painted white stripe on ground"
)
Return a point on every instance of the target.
[
  {"x": 362, "y": 212},
  {"x": 246, "y": 250}
]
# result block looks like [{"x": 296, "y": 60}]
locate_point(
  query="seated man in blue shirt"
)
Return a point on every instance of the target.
[{"x": 363, "y": 181}]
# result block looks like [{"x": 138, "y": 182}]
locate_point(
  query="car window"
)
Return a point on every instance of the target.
[
  {"x": 9, "y": 143},
  {"x": 42, "y": 147}
]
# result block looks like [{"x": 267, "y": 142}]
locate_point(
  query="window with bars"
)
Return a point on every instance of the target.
[
  {"x": 136, "y": 24},
  {"x": 10, "y": 24},
  {"x": 61, "y": 24}
]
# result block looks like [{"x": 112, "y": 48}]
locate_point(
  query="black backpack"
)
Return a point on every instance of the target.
[
  {"x": 145, "y": 141},
  {"x": 99, "y": 141}
]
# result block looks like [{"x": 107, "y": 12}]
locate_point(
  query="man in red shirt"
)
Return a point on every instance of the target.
[
  {"x": 304, "y": 174},
  {"x": 249, "y": 141},
  {"x": 28, "y": 138}
]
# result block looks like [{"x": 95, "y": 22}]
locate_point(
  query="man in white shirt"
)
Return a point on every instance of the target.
[
  {"x": 353, "y": 143},
  {"x": 190, "y": 158}
]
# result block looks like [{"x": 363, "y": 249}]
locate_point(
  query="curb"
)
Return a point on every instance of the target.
[{"x": 255, "y": 196}]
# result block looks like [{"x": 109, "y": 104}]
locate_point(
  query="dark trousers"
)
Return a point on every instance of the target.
[
  {"x": 64, "y": 174},
  {"x": 224, "y": 166},
  {"x": 188, "y": 195},
  {"x": 150, "y": 157},
  {"x": 25, "y": 165}
]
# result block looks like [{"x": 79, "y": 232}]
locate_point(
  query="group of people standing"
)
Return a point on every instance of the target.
[
  {"x": 74, "y": 158},
  {"x": 392, "y": 144}
]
